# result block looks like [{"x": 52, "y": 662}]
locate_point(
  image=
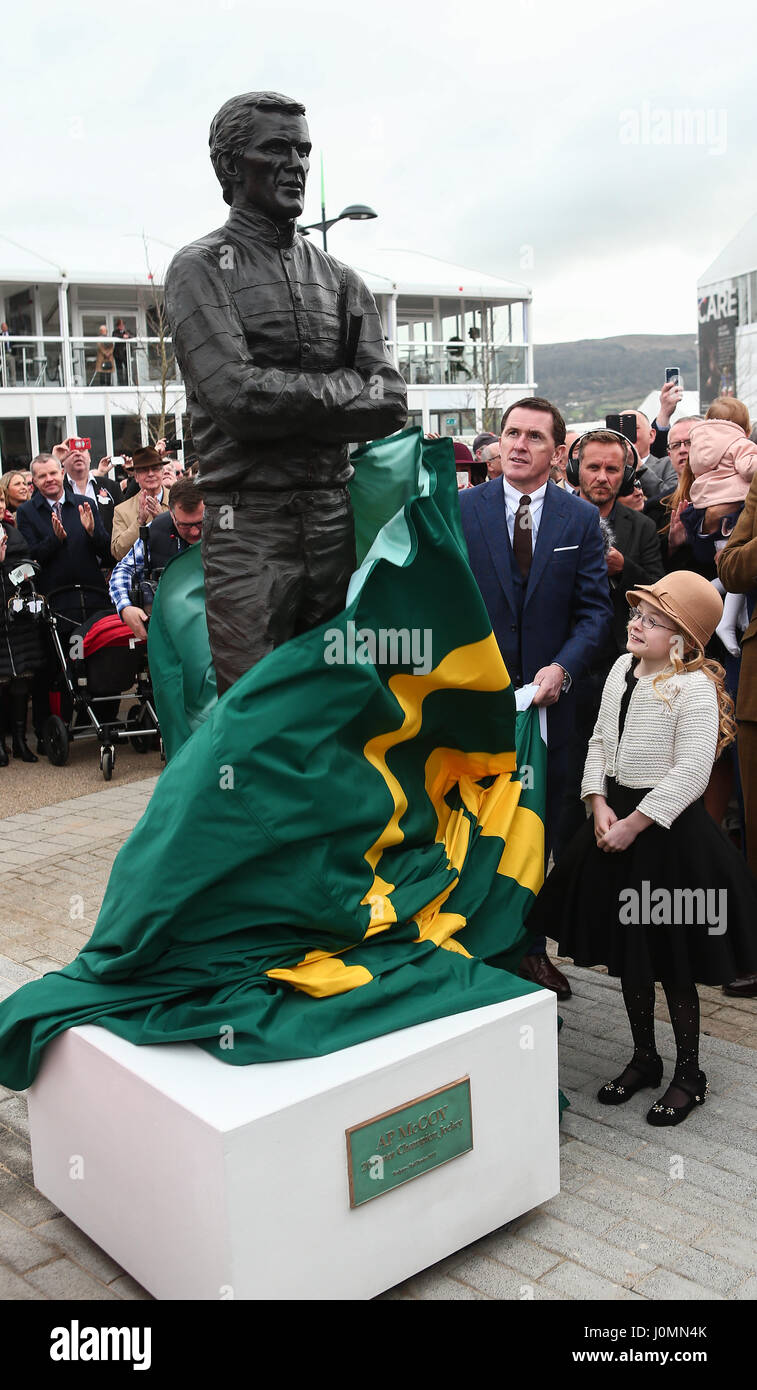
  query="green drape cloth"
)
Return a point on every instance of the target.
[{"x": 331, "y": 848}]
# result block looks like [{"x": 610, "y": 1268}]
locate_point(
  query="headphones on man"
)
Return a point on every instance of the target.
[{"x": 629, "y": 470}]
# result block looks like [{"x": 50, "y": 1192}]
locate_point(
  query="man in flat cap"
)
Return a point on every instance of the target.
[{"x": 282, "y": 352}]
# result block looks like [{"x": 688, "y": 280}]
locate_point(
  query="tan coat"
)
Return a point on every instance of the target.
[
  {"x": 737, "y": 567},
  {"x": 104, "y": 360},
  {"x": 126, "y": 525}
]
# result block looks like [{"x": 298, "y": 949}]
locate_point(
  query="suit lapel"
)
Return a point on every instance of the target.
[
  {"x": 621, "y": 525},
  {"x": 555, "y": 514},
  {"x": 491, "y": 510},
  {"x": 44, "y": 509}
]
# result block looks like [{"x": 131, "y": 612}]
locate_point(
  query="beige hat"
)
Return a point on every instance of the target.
[{"x": 688, "y": 599}]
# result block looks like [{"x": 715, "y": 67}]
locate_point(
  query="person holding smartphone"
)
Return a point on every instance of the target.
[
  {"x": 671, "y": 396},
  {"x": 656, "y": 475}
]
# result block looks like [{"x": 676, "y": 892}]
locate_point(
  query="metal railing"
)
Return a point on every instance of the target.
[
  {"x": 121, "y": 361},
  {"x": 458, "y": 364},
  {"x": 31, "y": 362},
  {"x": 34, "y": 363}
]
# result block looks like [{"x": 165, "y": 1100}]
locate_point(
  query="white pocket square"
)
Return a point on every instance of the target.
[{"x": 558, "y": 548}]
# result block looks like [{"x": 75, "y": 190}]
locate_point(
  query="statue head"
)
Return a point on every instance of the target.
[{"x": 259, "y": 148}]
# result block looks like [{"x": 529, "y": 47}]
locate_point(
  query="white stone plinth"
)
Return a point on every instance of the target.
[{"x": 209, "y": 1181}]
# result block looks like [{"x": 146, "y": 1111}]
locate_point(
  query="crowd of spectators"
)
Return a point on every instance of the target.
[
  {"x": 685, "y": 499},
  {"x": 87, "y": 533}
]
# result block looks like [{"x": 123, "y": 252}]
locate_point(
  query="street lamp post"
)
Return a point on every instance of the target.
[{"x": 356, "y": 212}]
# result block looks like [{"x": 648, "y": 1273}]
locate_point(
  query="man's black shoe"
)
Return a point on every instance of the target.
[
  {"x": 540, "y": 970},
  {"x": 742, "y": 989}
]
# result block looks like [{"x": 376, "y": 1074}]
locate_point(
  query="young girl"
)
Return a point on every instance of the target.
[{"x": 650, "y": 886}]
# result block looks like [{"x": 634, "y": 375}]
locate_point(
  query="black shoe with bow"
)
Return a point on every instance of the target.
[
  {"x": 637, "y": 1075},
  {"x": 663, "y": 1113}
]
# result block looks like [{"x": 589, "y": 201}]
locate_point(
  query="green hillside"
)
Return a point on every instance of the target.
[{"x": 588, "y": 378}]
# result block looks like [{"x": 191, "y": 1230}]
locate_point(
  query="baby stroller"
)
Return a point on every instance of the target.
[{"x": 100, "y": 660}]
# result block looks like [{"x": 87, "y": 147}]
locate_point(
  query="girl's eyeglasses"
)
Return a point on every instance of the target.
[{"x": 635, "y": 615}]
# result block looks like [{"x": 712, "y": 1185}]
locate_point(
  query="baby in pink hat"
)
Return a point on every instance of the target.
[{"x": 723, "y": 460}]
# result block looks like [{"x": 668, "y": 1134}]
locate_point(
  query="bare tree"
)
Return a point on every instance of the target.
[{"x": 159, "y": 328}]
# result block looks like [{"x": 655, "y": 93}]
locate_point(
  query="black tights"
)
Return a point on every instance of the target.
[
  {"x": 14, "y": 699},
  {"x": 683, "y": 1006}
]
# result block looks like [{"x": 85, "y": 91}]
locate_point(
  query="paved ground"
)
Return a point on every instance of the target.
[
  {"x": 641, "y": 1214},
  {"x": 29, "y": 786}
]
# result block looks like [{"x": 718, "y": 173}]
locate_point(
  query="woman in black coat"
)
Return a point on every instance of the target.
[{"x": 21, "y": 650}]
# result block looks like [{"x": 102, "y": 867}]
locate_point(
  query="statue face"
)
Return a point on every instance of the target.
[{"x": 274, "y": 165}]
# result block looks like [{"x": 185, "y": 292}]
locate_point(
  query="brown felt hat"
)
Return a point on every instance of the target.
[
  {"x": 688, "y": 599},
  {"x": 146, "y": 458}
]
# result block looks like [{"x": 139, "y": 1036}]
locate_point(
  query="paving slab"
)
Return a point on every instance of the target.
[{"x": 641, "y": 1214}]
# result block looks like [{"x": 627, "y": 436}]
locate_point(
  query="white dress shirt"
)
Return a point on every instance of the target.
[
  {"x": 89, "y": 490},
  {"x": 512, "y": 503}
]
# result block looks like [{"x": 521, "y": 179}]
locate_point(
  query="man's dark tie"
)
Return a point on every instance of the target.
[
  {"x": 58, "y": 509},
  {"x": 522, "y": 535}
]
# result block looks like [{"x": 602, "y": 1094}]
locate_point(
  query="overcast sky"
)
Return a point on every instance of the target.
[{"x": 534, "y": 141}]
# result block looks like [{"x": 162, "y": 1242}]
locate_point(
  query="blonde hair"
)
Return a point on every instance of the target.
[
  {"x": 694, "y": 659},
  {"x": 729, "y": 408},
  {"x": 674, "y": 500},
  {"x": 5, "y": 482}
]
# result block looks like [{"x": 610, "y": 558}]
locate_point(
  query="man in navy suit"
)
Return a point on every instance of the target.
[
  {"x": 66, "y": 537},
  {"x": 537, "y": 554}
]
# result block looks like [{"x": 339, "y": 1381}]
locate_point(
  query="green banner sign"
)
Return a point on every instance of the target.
[{"x": 409, "y": 1141}]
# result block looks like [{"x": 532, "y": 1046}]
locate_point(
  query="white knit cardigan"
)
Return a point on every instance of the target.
[{"x": 668, "y": 743}]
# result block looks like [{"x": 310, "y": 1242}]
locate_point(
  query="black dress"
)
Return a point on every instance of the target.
[{"x": 678, "y": 905}]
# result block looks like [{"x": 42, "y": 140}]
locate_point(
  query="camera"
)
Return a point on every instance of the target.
[
  {"x": 141, "y": 592},
  {"x": 81, "y": 445},
  {"x": 174, "y": 446}
]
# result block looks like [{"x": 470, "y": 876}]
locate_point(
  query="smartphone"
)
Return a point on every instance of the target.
[
  {"x": 628, "y": 426},
  {"x": 622, "y": 424},
  {"x": 674, "y": 374}
]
